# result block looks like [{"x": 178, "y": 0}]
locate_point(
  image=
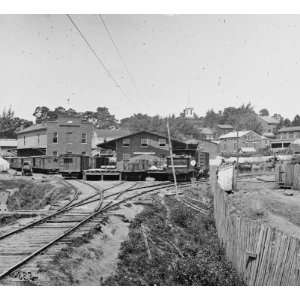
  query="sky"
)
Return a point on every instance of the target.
[{"x": 174, "y": 61}]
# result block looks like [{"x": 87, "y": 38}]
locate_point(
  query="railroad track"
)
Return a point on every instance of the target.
[{"x": 53, "y": 232}]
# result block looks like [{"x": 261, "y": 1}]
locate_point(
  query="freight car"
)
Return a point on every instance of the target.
[
  {"x": 45, "y": 164},
  {"x": 40, "y": 164},
  {"x": 74, "y": 165}
]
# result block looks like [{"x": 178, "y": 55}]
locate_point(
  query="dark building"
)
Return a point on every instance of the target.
[
  {"x": 63, "y": 135},
  {"x": 142, "y": 143}
]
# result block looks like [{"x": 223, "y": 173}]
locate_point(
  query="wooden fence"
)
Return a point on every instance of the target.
[
  {"x": 261, "y": 254},
  {"x": 288, "y": 175}
]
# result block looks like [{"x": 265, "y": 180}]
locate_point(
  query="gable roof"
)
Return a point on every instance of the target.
[
  {"x": 109, "y": 133},
  {"x": 289, "y": 129},
  {"x": 234, "y": 134},
  {"x": 139, "y": 132},
  {"x": 270, "y": 120}
]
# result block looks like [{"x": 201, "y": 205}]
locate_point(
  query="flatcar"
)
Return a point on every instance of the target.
[{"x": 74, "y": 165}]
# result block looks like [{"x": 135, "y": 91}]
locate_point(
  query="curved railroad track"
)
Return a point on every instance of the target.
[{"x": 20, "y": 246}]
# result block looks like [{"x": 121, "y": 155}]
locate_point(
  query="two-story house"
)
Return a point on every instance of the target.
[
  {"x": 269, "y": 126},
  {"x": 285, "y": 136},
  {"x": 66, "y": 134}
]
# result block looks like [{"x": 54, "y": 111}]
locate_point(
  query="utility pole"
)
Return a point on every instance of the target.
[
  {"x": 171, "y": 157},
  {"x": 237, "y": 158}
]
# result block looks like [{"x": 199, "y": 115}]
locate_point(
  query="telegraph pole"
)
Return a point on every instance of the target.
[{"x": 171, "y": 157}]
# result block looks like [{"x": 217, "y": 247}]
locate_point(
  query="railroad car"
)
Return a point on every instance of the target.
[
  {"x": 187, "y": 166},
  {"x": 45, "y": 164},
  {"x": 73, "y": 165},
  {"x": 15, "y": 163}
]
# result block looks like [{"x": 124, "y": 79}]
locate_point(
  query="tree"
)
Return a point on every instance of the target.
[
  {"x": 296, "y": 121},
  {"x": 264, "y": 112},
  {"x": 9, "y": 124}
]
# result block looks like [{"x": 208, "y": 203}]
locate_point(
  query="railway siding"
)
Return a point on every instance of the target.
[{"x": 78, "y": 218}]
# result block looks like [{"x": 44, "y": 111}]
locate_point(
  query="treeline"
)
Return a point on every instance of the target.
[{"x": 241, "y": 118}]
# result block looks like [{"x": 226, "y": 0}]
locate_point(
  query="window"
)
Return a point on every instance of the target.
[
  {"x": 126, "y": 156},
  {"x": 162, "y": 142},
  {"x": 144, "y": 142},
  {"x": 24, "y": 140},
  {"x": 68, "y": 160},
  {"x": 54, "y": 153},
  {"x": 38, "y": 138},
  {"x": 83, "y": 153},
  {"x": 126, "y": 142},
  {"x": 291, "y": 135},
  {"x": 55, "y": 138},
  {"x": 83, "y": 138},
  {"x": 69, "y": 137}
]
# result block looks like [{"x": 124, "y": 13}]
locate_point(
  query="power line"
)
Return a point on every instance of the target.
[
  {"x": 97, "y": 57},
  {"x": 117, "y": 50}
]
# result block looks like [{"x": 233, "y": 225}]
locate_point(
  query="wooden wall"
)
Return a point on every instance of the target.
[
  {"x": 261, "y": 254},
  {"x": 288, "y": 175}
]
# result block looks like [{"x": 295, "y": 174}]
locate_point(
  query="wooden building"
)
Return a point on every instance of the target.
[
  {"x": 234, "y": 141},
  {"x": 142, "y": 144},
  {"x": 66, "y": 134}
]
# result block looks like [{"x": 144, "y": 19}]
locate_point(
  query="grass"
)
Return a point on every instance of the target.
[
  {"x": 184, "y": 250},
  {"x": 10, "y": 219},
  {"x": 33, "y": 195}
]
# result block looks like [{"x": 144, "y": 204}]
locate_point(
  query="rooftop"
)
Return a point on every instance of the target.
[
  {"x": 8, "y": 143},
  {"x": 270, "y": 120},
  {"x": 234, "y": 134},
  {"x": 289, "y": 129},
  {"x": 109, "y": 133},
  {"x": 225, "y": 126},
  {"x": 34, "y": 127}
]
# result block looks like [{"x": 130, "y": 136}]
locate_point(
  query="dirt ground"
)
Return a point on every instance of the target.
[{"x": 259, "y": 198}]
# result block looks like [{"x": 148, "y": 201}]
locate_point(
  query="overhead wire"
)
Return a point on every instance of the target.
[
  {"x": 100, "y": 18},
  {"x": 97, "y": 57}
]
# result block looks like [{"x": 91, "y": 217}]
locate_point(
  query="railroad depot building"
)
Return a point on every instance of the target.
[
  {"x": 55, "y": 137},
  {"x": 143, "y": 144},
  {"x": 246, "y": 141}
]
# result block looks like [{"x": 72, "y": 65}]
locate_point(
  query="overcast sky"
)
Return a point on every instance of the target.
[{"x": 204, "y": 61}]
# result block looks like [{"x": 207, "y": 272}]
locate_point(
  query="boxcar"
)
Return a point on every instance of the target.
[
  {"x": 73, "y": 165},
  {"x": 15, "y": 163},
  {"x": 45, "y": 164}
]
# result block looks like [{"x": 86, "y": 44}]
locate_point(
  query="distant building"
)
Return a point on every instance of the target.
[
  {"x": 208, "y": 146},
  {"x": 249, "y": 140},
  {"x": 284, "y": 137},
  {"x": 269, "y": 125},
  {"x": 208, "y": 133},
  {"x": 63, "y": 135},
  {"x": 8, "y": 147},
  {"x": 188, "y": 112},
  {"x": 222, "y": 129}
]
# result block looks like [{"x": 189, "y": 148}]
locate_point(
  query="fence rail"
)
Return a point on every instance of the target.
[{"x": 261, "y": 254}]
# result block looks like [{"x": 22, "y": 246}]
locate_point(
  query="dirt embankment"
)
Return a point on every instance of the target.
[
  {"x": 264, "y": 202},
  {"x": 33, "y": 194}
]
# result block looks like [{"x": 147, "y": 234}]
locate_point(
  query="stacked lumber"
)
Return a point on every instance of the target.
[{"x": 261, "y": 254}]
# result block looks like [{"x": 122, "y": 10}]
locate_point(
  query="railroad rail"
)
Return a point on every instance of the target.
[{"x": 22, "y": 245}]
